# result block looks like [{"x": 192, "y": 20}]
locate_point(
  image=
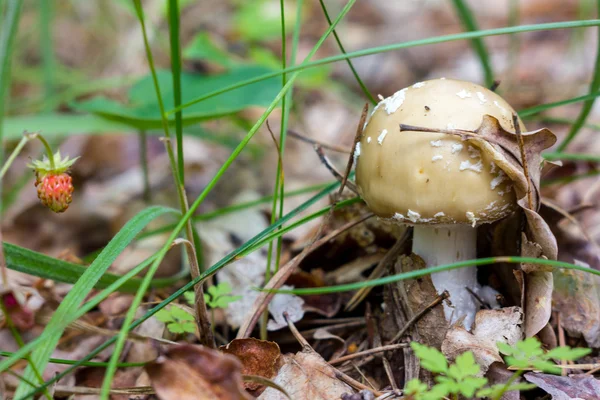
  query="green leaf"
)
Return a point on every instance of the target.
[
  {"x": 431, "y": 359},
  {"x": 43, "y": 266},
  {"x": 494, "y": 391},
  {"x": 415, "y": 386},
  {"x": 189, "y": 327},
  {"x": 224, "y": 301},
  {"x": 175, "y": 327},
  {"x": 164, "y": 315},
  {"x": 471, "y": 384},
  {"x": 222, "y": 289},
  {"x": 73, "y": 299},
  {"x": 567, "y": 353},
  {"x": 464, "y": 366},
  {"x": 203, "y": 47},
  {"x": 180, "y": 314},
  {"x": 437, "y": 392},
  {"x": 142, "y": 110},
  {"x": 546, "y": 366},
  {"x": 191, "y": 298}
]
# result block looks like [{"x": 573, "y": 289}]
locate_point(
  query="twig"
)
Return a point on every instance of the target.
[
  {"x": 561, "y": 342},
  {"x": 285, "y": 271},
  {"x": 368, "y": 352},
  {"x": 479, "y": 299},
  {"x": 303, "y": 342},
  {"x": 419, "y": 315},
  {"x": 517, "y": 127},
  {"x": 357, "y": 136},
  {"x": 354, "y": 383},
  {"x": 306, "y": 139},
  {"x": 337, "y": 174}
]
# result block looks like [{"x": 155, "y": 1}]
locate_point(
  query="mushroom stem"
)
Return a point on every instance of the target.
[{"x": 445, "y": 245}]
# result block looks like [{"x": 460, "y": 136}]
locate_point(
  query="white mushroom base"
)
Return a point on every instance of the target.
[{"x": 445, "y": 245}]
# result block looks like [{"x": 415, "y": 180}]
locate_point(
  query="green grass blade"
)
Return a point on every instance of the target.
[
  {"x": 40, "y": 265},
  {"x": 223, "y": 262},
  {"x": 543, "y": 107},
  {"x": 7, "y": 37},
  {"x": 398, "y": 46},
  {"x": 588, "y": 104},
  {"x": 468, "y": 20},
  {"x": 83, "y": 364},
  {"x": 47, "y": 51},
  {"x": 572, "y": 157},
  {"x": 431, "y": 270},
  {"x": 348, "y": 61},
  {"x": 176, "y": 72},
  {"x": 82, "y": 288}
]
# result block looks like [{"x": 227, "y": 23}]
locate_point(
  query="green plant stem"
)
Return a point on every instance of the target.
[
  {"x": 202, "y": 314},
  {"x": 569, "y": 179},
  {"x": 176, "y": 73},
  {"x": 572, "y": 157},
  {"x": 47, "y": 51},
  {"x": 7, "y": 37},
  {"x": 348, "y": 61},
  {"x": 15, "y": 334},
  {"x": 543, "y": 107},
  {"x": 143, "y": 144},
  {"x": 588, "y": 104},
  {"x": 398, "y": 46},
  {"x": 47, "y": 148},
  {"x": 13, "y": 155},
  {"x": 510, "y": 381},
  {"x": 432, "y": 270},
  {"x": 470, "y": 24}
]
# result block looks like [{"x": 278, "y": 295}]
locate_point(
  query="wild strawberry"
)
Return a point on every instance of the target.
[{"x": 53, "y": 182}]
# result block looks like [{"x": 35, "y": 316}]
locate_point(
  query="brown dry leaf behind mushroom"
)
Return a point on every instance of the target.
[{"x": 538, "y": 240}]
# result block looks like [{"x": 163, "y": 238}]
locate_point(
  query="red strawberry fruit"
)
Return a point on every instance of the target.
[{"x": 53, "y": 182}]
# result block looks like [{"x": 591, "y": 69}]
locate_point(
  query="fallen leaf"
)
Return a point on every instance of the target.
[
  {"x": 491, "y": 326},
  {"x": 258, "y": 357},
  {"x": 285, "y": 303},
  {"x": 306, "y": 376},
  {"x": 583, "y": 387},
  {"x": 577, "y": 300},
  {"x": 189, "y": 372}
]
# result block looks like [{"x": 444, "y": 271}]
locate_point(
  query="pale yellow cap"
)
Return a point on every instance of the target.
[{"x": 428, "y": 177}]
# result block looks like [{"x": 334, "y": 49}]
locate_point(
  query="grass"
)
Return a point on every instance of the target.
[{"x": 73, "y": 306}]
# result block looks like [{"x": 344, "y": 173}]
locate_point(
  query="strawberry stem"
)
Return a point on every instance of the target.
[{"x": 48, "y": 151}]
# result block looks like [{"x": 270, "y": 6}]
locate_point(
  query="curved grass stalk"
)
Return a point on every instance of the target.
[
  {"x": 468, "y": 20},
  {"x": 398, "y": 46}
]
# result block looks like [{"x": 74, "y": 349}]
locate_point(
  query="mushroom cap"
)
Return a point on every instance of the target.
[{"x": 430, "y": 177}]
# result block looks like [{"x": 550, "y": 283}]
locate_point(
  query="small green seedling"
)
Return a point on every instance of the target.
[
  {"x": 177, "y": 320},
  {"x": 462, "y": 377},
  {"x": 218, "y": 296}
]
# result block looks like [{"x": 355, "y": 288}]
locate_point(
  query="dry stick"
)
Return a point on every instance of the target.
[
  {"x": 355, "y": 384},
  {"x": 284, "y": 272},
  {"x": 357, "y": 136},
  {"x": 523, "y": 159},
  {"x": 368, "y": 352},
  {"x": 419, "y": 315},
  {"x": 337, "y": 174},
  {"x": 362, "y": 375},
  {"x": 306, "y": 139},
  {"x": 479, "y": 299}
]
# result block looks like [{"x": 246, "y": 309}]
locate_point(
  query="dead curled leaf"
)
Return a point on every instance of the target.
[
  {"x": 491, "y": 326},
  {"x": 583, "y": 387},
  {"x": 258, "y": 357},
  {"x": 189, "y": 372},
  {"x": 538, "y": 240},
  {"x": 306, "y": 376}
]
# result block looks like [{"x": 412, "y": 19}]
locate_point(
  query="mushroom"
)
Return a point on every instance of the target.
[{"x": 436, "y": 182}]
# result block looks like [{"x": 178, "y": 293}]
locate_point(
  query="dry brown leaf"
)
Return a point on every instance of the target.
[
  {"x": 578, "y": 387},
  {"x": 417, "y": 294},
  {"x": 538, "y": 301},
  {"x": 189, "y": 372},
  {"x": 577, "y": 300},
  {"x": 491, "y": 326},
  {"x": 258, "y": 357},
  {"x": 306, "y": 376}
]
